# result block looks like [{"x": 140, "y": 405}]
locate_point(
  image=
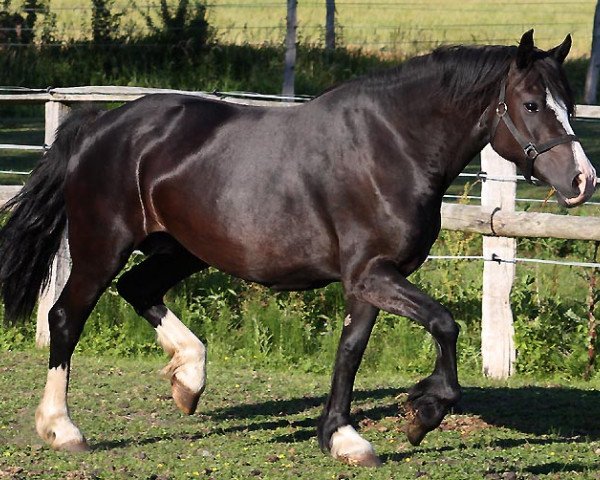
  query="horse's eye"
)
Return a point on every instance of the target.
[{"x": 531, "y": 107}]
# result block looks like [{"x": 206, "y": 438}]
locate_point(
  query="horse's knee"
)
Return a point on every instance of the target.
[{"x": 443, "y": 326}]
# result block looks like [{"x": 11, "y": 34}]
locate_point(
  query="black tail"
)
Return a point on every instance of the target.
[{"x": 36, "y": 219}]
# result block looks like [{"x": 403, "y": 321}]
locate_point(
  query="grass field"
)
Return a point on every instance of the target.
[
  {"x": 405, "y": 28},
  {"x": 260, "y": 424},
  {"x": 397, "y": 28}
]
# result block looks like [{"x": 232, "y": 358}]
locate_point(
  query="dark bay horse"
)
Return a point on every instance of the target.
[{"x": 347, "y": 187}]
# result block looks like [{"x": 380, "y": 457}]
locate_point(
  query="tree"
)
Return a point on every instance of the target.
[{"x": 104, "y": 23}]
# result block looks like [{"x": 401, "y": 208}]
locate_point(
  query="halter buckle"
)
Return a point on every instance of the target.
[
  {"x": 531, "y": 151},
  {"x": 501, "y": 109}
]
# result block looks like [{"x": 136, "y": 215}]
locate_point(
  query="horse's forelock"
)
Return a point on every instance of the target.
[{"x": 555, "y": 79}]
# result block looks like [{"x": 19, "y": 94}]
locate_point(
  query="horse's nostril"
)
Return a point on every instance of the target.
[{"x": 576, "y": 181}]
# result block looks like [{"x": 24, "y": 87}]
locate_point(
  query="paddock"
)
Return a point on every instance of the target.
[
  {"x": 260, "y": 424},
  {"x": 496, "y": 218}
]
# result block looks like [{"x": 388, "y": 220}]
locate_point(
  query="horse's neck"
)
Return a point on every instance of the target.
[
  {"x": 447, "y": 136},
  {"x": 463, "y": 148}
]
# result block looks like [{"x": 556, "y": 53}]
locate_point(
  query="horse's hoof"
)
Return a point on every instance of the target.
[
  {"x": 362, "y": 460},
  {"x": 185, "y": 399},
  {"x": 415, "y": 431},
  {"x": 74, "y": 446},
  {"x": 349, "y": 447}
]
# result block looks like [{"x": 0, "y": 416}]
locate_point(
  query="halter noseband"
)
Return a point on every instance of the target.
[{"x": 531, "y": 150}]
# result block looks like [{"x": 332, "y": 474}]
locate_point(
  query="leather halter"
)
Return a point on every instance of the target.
[{"x": 531, "y": 149}]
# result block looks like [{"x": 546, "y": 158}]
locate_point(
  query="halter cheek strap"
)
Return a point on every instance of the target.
[{"x": 531, "y": 150}]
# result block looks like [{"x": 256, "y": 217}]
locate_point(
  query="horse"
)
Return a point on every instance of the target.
[{"x": 345, "y": 188}]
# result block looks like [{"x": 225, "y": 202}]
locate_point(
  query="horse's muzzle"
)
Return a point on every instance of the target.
[{"x": 585, "y": 184}]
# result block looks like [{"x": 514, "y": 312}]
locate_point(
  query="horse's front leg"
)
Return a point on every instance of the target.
[
  {"x": 335, "y": 432},
  {"x": 381, "y": 284}
]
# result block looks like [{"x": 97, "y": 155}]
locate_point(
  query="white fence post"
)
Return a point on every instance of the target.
[
  {"x": 497, "y": 331},
  {"x": 55, "y": 113}
]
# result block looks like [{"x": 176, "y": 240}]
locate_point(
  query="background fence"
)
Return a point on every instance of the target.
[
  {"x": 495, "y": 218},
  {"x": 382, "y": 27},
  {"x": 400, "y": 27}
]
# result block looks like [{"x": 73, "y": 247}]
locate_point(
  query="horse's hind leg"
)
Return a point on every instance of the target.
[
  {"x": 144, "y": 287},
  {"x": 94, "y": 266}
]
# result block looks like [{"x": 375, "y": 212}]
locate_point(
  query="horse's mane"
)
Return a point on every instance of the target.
[{"x": 463, "y": 73}]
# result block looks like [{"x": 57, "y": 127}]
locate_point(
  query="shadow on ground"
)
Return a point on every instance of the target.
[
  {"x": 567, "y": 414},
  {"x": 557, "y": 411}
]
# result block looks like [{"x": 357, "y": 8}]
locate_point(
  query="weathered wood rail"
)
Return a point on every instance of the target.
[
  {"x": 496, "y": 218},
  {"x": 471, "y": 218}
]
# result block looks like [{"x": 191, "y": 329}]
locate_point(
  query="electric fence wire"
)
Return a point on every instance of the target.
[{"x": 495, "y": 258}]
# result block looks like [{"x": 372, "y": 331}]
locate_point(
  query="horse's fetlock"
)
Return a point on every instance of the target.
[{"x": 451, "y": 396}]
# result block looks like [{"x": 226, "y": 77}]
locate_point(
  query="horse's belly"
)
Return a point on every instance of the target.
[
  {"x": 280, "y": 268},
  {"x": 287, "y": 255}
]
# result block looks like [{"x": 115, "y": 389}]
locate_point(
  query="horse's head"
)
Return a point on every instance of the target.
[{"x": 530, "y": 124}]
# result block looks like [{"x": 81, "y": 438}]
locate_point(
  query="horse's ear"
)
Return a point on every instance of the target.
[
  {"x": 525, "y": 50},
  {"x": 561, "y": 51}
]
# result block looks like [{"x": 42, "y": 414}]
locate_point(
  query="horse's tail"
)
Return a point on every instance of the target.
[{"x": 36, "y": 219}]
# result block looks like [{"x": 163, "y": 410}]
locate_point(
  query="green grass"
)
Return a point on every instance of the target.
[
  {"x": 406, "y": 28},
  {"x": 260, "y": 423},
  {"x": 20, "y": 132},
  {"x": 398, "y": 29}
]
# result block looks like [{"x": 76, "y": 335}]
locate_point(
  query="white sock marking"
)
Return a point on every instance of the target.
[
  {"x": 346, "y": 443},
  {"x": 52, "y": 420},
  {"x": 189, "y": 353}
]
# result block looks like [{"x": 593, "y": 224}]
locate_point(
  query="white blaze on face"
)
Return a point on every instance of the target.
[
  {"x": 189, "y": 353},
  {"x": 587, "y": 178},
  {"x": 52, "y": 420}
]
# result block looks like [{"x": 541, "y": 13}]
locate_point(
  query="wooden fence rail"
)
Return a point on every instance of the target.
[{"x": 496, "y": 219}]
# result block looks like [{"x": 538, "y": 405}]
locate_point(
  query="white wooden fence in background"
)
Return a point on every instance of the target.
[{"x": 496, "y": 219}]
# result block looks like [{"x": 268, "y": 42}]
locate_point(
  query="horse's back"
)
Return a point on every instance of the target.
[
  {"x": 223, "y": 179},
  {"x": 242, "y": 182}
]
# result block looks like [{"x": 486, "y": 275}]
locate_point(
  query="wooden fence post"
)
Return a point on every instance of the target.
[
  {"x": 330, "y": 25},
  {"x": 55, "y": 113},
  {"x": 290, "y": 49},
  {"x": 497, "y": 331},
  {"x": 591, "y": 79}
]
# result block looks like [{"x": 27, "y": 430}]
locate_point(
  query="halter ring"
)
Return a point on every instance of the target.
[
  {"x": 501, "y": 109},
  {"x": 531, "y": 151}
]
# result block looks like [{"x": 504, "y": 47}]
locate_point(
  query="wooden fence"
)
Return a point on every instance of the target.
[{"x": 496, "y": 219}]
